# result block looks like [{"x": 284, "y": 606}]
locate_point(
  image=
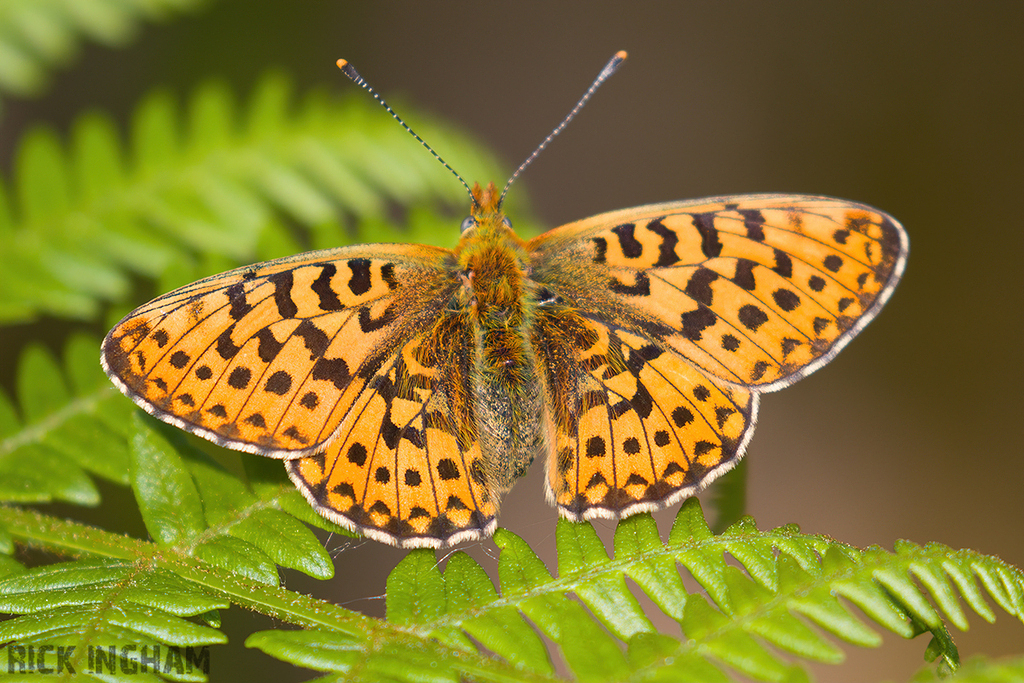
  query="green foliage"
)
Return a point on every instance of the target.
[
  {"x": 194, "y": 189},
  {"x": 36, "y": 35},
  {"x": 759, "y": 619},
  {"x": 200, "y": 190}
]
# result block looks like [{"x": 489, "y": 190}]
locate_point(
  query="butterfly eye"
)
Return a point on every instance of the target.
[
  {"x": 508, "y": 223},
  {"x": 467, "y": 223}
]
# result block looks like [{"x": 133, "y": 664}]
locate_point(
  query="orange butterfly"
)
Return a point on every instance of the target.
[{"x": 407, "y": 387}]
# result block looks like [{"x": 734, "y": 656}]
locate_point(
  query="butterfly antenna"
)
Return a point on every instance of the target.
[
  {"x": 607, "y": 71},
  {"x": 350, "y": 71}
]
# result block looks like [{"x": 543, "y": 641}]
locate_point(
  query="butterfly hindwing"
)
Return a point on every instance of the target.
[
  {"x": 755, "y": 290},
  {"x": 636, "y": 426},
  {"x": 406, "y": 466}
]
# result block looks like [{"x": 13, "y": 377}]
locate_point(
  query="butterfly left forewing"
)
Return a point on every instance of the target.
[{"x": 269, "y": 358}]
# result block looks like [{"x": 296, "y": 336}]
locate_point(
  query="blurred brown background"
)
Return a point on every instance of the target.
[{"x": 917, "y": 108}]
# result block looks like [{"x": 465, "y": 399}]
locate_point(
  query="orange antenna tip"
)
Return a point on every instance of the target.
[
  {"x": 621, "y": 54},
  {"x": 350, "y": 71}
]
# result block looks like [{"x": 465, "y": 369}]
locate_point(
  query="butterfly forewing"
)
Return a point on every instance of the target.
[
  {"x": 756, "y": 290},
  {"x": 270, "y": 358}
]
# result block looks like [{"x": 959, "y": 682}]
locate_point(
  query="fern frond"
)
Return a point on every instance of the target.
[
  {"x": 90, "y": 605},
  {"x": 759, "y": 622},
  {"x": 37, "y": 35},
  {"x": 978, "y": 670},
  {"x": 227, "y": 182},
  {"x": 162, "y": 589},
  {"x": 69, "y": 426},
  {"x": 188, "y": 501}
]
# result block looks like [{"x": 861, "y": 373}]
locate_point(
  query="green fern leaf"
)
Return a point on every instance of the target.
[
  {"x": 36, "y": 35},
  {"x": 978, "y": 670},
  {"x": 89, "y": 604},
  {"x": 768, "y": 607},
  {"x": 219, "y": 180}
]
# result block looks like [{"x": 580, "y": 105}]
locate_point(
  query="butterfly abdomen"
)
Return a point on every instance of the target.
[{"x": 508, "y": 399}]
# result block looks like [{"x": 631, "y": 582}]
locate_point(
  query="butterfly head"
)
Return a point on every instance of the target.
[
  {"x": 486, "y": 202},
  {"x": 485, "y": 214}
]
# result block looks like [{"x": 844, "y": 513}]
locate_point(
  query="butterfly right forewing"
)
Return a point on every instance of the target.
[{"x": 758, "y": 290}]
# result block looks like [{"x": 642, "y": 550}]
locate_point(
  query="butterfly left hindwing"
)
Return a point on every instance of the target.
[
  {"x": 636, "y": 426},
  {"x": 406, "y": 466}
]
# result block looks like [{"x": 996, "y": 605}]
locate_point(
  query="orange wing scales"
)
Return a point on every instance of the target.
[
  {"x": 407, "y": 467},
  {"x": 636, "y": 426},
  {"x": 252, "y": 357}
]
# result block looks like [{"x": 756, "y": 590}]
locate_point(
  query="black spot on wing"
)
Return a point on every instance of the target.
[
  {"x": 279, "y": 383},
  {"x": 631, "y": 248},
  {"x": 667, "y": 248},
  {"x": 226, "y": 348},
  {"x": 641, "y": 287},
  {"x": 313, "y": 337},
  {"x": 699, "y": 285},
  {"x": 357, "y": 454},
  {"x": 268, "y": 346},
  {"x": 696, "y": 321},
  {"x": 786, "y": 299},
  {"x": 387, "y": 273},
  {"x": 322, "y": 288},
  {"x": 753, "y": 221},
  {"x": 360, "y": 281},
  {"x": 283, "y": 283},
  {"x": 745, "y": 274},
  {"x": 239, "y": 377},
  {"x": 752, "y": 317},
  {"x": 334, "y": 370},
  {"x": 367, "y": 323},
  {"x": 239, "y": 306},
  {"x": 710, "y": 246},
  {"x": 783, "y": 264}
]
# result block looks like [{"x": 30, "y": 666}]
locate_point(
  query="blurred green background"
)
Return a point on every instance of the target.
[{"x": 917, "y": 108}]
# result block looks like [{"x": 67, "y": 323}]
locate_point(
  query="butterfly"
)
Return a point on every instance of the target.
[{"x": 407, "y": 387}]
